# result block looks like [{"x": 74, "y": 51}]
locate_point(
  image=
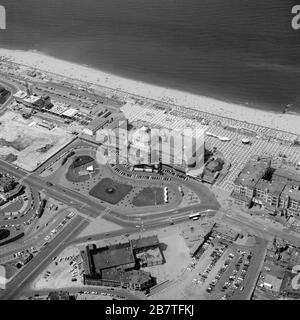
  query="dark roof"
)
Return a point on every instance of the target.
[
  {"x": 112, "y": 256},
  {"x": 145, "y": 242}
]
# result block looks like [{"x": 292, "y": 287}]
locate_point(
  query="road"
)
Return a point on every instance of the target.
[
  {"x": 34, "y": 238},
  {"x": 91, "y": 207},
  {"x": 22, "y": 281},
  {"x": 88, "y": 207},
  {"x": 38, "y": 263},
  {"x": 264, "y": 232},
  {"x": 115, "y": 292}
]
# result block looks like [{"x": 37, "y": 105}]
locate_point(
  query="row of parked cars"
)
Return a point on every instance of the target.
[
  {"x": 60, "y": 226},
  {"x": 216, "y": 255},
  {"x": 76, "y": 268},
  {"x": 138, "y": 176},
  {"x": 175, "y": 174},
  {"x": 237, "y": 277}
]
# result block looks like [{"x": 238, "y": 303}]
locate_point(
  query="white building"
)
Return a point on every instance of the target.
[{"x": 172, "y": 140}]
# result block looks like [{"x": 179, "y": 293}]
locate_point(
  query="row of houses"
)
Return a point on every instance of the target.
[{"x": 275, "y": 191}]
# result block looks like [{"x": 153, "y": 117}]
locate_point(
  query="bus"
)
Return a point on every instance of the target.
[{"x": 194, "y": 216}]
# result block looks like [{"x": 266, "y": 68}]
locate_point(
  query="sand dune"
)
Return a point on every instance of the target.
[{"x": 285, "y": 122}]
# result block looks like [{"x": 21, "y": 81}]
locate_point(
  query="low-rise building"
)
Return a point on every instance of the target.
[
  {"x": 47, "y": 124},
  {"x": 290, "y": 201},
  {"x": 267, "y": 195},
  {"x": 118, "y": 256},
  {"x": 245, "y": 183},
  {"x": 211, "y": 170},
  {"x": 147, "y": 251},
  {"x": 279, "y": 194},
  {"x": 133, "y": 279},
  {"x": 117, "y": 265},
  {"x": 29, "y": 100},
  {"x": 26, "y": 258},
  {"x": 95, "y": 125},
  {"x": 289, "y": 176}
]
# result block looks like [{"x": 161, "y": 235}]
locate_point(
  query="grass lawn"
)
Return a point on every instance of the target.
[
  {"x": 110, "y": 191},
  {"x": 149, "y": 197}
]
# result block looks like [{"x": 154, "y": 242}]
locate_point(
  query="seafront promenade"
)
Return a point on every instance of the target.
[
  {"x": 265, "y": 141},
  {"x": 12, "y": 68},
  {"x": 72, "y": 75}
]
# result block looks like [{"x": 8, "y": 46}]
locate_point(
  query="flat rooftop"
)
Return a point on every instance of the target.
[
  {"x": 274, "y": 188},
  {"x": 253, "y": 171},
  {"x": 287, "y": 173},
  {"x": 292, "y": 193},
  {"x": 113, "y": 256}
]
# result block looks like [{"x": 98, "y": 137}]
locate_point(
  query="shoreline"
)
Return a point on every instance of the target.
[{"x": 34, "y": 59}]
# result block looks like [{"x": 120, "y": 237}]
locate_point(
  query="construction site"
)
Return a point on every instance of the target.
[{"x": 26, "y": 144}]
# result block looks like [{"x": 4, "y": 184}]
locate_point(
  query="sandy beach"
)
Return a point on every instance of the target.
[{"x": 285, "y": 122}]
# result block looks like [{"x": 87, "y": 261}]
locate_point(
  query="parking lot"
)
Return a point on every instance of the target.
[
  {"x": 235, "y": 278},
  {"x": 66, "y": 270},
  {"x": 222, "y": 270},
  {"x": 230, "y": 277}
]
